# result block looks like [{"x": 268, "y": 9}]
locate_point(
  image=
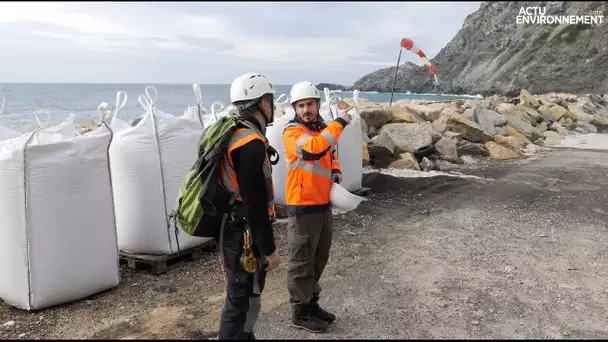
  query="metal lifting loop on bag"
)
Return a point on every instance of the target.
[
  {"x": 152, "y": 99},
  {"x": 145, "y": 102},
  {"x": 213, "y": 111},
  {"x": 199, "y": 103},
  {"x": 48, "y": 117},
  {"x": 327, "y": 94},
  {"x": 277, "y": 101},
  {"x": 102, "y": 108}
]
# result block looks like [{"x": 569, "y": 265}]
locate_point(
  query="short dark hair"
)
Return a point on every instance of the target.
[{"x": 249, "y": 107}]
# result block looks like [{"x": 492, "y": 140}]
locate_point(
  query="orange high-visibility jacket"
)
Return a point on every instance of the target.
[
  {"x": 311, "y": 159},
  {"x": 242, "y": 136}
]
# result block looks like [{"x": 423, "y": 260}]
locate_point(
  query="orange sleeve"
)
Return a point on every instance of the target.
[{"x": 307, "y": 147}]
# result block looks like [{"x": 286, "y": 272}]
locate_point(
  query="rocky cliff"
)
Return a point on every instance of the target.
[{"x": 493, "y": 54}]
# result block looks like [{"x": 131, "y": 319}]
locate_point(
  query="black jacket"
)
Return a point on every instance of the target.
[{"x": 248, "y": 163}]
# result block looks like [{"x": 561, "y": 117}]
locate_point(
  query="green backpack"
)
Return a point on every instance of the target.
[{"x": 202, "y": 200}]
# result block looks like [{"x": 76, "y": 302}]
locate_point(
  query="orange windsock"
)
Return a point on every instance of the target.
[{"x": 408, "y": 44}]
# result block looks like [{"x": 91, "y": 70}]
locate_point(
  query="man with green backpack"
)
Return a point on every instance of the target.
[{"x": 229, "y": 194}]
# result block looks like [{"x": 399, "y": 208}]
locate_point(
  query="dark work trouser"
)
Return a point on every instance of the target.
[
  {"x": 243, "y": 302},
  {"x": 310, "y": 237}
]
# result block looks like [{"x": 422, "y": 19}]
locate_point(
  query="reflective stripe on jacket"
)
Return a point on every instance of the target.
[
  {"x": 242, "y": 136},
  {"x": 311, "y": 160}
]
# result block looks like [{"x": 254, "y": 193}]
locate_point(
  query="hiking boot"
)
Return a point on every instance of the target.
[
  {"x": 303, "y": 319},
  {"x": 316, "y": 310}
]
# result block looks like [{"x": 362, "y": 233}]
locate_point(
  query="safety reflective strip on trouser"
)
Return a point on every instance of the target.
[{"x": 314, "y": 168}]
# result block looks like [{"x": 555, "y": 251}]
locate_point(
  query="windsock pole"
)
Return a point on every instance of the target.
[{"x": 395, "y": 79}]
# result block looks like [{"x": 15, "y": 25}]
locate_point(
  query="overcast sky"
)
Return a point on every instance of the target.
[{"x": 214, "y": 42}]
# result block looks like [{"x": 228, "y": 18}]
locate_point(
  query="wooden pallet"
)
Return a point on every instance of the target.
[{"x": 159, "y": 264}]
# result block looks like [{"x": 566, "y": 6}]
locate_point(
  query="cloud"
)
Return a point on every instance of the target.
[{"x": 213, "y": 42}]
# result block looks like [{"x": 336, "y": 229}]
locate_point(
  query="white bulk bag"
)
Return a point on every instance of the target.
[
  {"x": 325, "y": 111},
  {"x": 148, "y": 164},
  {"x": 280, "y": 107},
  {"x": 57, "y": 224},
  {"x": 349, "y": 145},
  {"x": 274, "y": 134},
  {"x": 205, "y": 118}
]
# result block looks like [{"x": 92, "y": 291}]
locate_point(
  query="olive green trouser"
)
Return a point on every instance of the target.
[{"x": 310, "y": 237}]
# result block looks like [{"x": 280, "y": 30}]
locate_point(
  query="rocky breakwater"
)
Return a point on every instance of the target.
[{"x": 426, "y": 135}]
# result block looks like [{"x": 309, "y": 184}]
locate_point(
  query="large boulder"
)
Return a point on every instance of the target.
[
  {"x": 468, "y": 129},
  {"x": 523, "y": 127},
  {"x": 488, "y": 120},
  {"x": 526, "y": 99},
  {"x": 469, "y": 114},
  {"x": 555, "y": 112},
  {"x": 404, "y": 115},
  {"x": 384, "y": 140},
  {"x": 430, "y": 112},
  {"x": 510, "y": 131},
  {"x": 551, "y": 138},
  {"x": 376, "y": 117},
  {"x": 493, "y": 101},
  {"x": 365, "y": 153},
  {"x": 402, "y": 103},
  {"x": 473, "y": 149},
  {"x": 500, "y": 152},
  {"x": 364, "y": 127},
  {"x": 510, "y": 142},
  {"x": 542, "y": 127},
  {"x": 526, "y": 114},
  {"x": 600, "y": 121},
  {"x": 577, "y": 112},
  {"x": 407, "y": 137},
  {"x": 379, "y": 157},
  {"x": 585, "y": 127},
  {"x": 364, "y": 104},
  {"x": 557, "y": 127},
  {"x": 406, "y": 161},
  {"x": 447, "y": 148},
  {"x": 440, "y": 125}
]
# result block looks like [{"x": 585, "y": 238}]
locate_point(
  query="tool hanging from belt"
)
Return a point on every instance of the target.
[{"x": 248, "y": 260}]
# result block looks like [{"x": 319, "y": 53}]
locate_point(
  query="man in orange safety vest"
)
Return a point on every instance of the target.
[{"x": 312, "y": 168}]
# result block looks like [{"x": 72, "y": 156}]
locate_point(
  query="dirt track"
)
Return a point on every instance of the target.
[{"x": 519, "y": 253}]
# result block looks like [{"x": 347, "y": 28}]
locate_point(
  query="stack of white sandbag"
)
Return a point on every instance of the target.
[
  {"x": 349, "y": 145},
  {"x": 206, "y": 119},
  {"x": 57, "y": 224},
  {"x": 148, "y": 163},
  {"x": 274, "y": 134}
]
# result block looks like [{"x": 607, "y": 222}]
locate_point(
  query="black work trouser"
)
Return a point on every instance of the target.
[
  {"x": 243, "y": 302},
  {"x": 310, "y": 238}
]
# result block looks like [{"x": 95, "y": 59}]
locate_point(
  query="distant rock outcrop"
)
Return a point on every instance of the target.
[
  {"x": 331, "y": 86},
  {"x": 492, "y": 54}
]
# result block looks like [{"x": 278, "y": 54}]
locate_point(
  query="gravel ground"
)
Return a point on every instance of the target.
[{"x": 519, "y": 252}]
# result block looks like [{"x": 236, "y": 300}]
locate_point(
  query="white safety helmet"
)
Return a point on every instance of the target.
[
  {"x": 304, "y": 90},
  {"x": 250, "y": 86}
]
